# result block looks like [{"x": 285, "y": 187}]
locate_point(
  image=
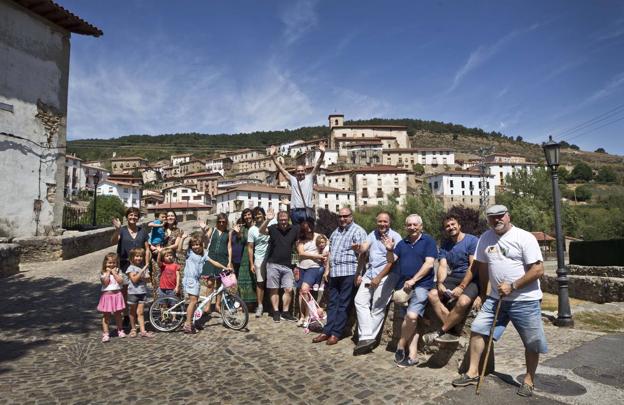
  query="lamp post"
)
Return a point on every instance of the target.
[
  {"x": 564, "y": 316},
  {"x": 96, "y": 180}
]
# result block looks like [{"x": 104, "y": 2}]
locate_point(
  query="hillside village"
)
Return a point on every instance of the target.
[{"x": 364, "y": 165}]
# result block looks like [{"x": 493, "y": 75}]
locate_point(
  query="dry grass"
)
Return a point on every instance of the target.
[
  {"x": 550, "y": 303},
  {"x": 599, "y": 321}
]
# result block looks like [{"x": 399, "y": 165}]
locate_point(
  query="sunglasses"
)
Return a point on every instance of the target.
[{"x": 344, "y": 216}]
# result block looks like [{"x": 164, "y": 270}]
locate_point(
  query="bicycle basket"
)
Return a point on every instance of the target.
[{"x": 228, "y": 279}]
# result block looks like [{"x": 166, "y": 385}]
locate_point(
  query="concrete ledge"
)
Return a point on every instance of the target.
[
  {"x": 70, "y": 245},
  {"x": 600, "y": 271},
  {"x": 589, "y": 288},
  {"x": 9, "y": 259}
]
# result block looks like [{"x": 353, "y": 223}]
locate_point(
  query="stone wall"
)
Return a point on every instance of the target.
[
  {"x": 68, "y": 246},
  {"x": 9, "y": 259},
  {"x": 589, "y": 288},
  {"x": 599, "y": 271}
]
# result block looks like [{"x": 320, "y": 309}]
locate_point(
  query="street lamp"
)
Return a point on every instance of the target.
[
  {"x": 564, "y": 316},
  {"x": 96, "y": 180}
]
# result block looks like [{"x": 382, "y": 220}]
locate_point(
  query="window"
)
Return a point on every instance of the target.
[
  {"x": 435, "y": 185},
  {"x": 336, "y": 196},
  {"x": 451, "y": 183},
  {"x": 249, "y": 196},
  {"x": 396, "y": 190},
  {"x": 327, "y": 207},
  {"x": 396, "y": 181},
  {"x": 337, "y": 207},
  {"x": 462, "y": 184}
]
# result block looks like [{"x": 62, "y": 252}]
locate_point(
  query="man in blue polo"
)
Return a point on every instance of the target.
[
  {"x": 416, "y": 255},
  {"x": 343, "y": 260}
]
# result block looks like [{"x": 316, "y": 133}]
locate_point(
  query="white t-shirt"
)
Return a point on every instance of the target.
[
  {"x": 260, "y": 241},
  {"x": 310, "y": 247},
  {"x": 306, "y": 187},
  {"x": 509, "y": 256}
]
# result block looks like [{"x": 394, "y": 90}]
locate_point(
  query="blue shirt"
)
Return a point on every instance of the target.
[
  {"x": 411, "y": 258},
  {"x": 158, "y": 234},
  {"x": 456, "y": 254},
  {"x": 342, "y": 257},
  {"x": 194, "y": 264},
  {"x": 377, "y": 252}
]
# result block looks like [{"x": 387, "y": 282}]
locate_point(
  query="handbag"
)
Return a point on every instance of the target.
[{"x": 228, "y": 279}]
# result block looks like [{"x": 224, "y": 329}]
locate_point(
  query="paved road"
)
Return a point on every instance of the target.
[{"x": 50, "y": 352}]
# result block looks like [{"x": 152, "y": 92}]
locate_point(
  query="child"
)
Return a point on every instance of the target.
[
  {"x": 111, "y": 300},
  {"x": 157, "y": 235},
  {"x": 195, "y": 261},
  {"x": 169, "y": 284},
  {"x": 322, "y": 247},
  {"x": 137, "y": 291}
]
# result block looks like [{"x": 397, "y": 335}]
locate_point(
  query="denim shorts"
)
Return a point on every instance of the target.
[
  {"x": 526, "y": 317},
  {"x": 418, "y": 301},
  {"x": 136, "y": 299},
  {"x": 311, "y": 276},
  {"x": 167, "y": 292}
]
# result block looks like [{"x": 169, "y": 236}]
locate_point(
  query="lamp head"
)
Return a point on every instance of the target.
[{"x": 551, "y": 152}]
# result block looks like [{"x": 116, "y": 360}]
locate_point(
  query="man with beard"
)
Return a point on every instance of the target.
[
  {"x": 511, "y": 260},
  {"x": 301, "y": 186},
  {"x": 456, "y": 254}
]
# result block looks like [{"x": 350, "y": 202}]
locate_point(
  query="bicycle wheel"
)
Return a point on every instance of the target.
[
  {"x": 164, "y": 317},
  {"x": 234, "y": 311}
]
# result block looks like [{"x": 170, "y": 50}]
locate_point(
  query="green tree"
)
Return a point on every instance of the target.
[
  {"x": 600, "y": 150},
  {"x": 108, "y": 207},
  {"x": 419, "y": 169},
  {"x": 606, "y": 174},
  {"x": 563, "y": 173},
  {"x": 582, "y": 172},
  {"x": 583, "y": 193}
]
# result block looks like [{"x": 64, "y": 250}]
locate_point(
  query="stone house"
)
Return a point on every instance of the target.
[
  {"x": 245, "y": 154},
  {"x": 235, "y": 199},
  {"x": 310, "y": 157},
  {"x": 205, "y": 181},
  {"x": 34, "y": 61},
  {"x": 407, "y": 158},
  {"x": 263, "y": 163},
  {"x": 191, "y": 166},
  {"x": 176, "y": 160},
  {"x": 127, "y": 165},
  {"x": 391, "y": 136},
  {"x": 219, "y": 165}
]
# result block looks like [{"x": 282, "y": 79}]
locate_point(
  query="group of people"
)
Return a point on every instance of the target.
[{"x": 505, "y": 263}]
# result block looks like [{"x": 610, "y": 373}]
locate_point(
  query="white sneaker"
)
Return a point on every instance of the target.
[{"x": 259, "y": 311}]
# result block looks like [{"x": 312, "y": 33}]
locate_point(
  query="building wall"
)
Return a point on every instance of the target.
[
  {"x": 500, "y": 171},
  {"x": 120, "y": 166},
  {"x": 460, "y": 189},
  {"x": 177, "y": 160},
  {"x": 247, "y": 155},
  {"x": 363, "y": 133},
  {"x": 374, "y": 188},
  {"x": 34, "y": 72},
  {"x": 407, "y": 160},
  {"x": 184, "y": 194},
  {"x": 234, "y": 202},
  {"x": 341, "y": 181},
  {"x": 333, "y": 201},
  {"x": 74, "y": 177},
  {"x": 331, "y": 158},
  {"x": 129, "y": 196}
]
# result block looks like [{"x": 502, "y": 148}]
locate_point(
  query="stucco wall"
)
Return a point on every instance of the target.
[
  {"x": 9, "y": 259},
  {"x": 34, "y": 70}
]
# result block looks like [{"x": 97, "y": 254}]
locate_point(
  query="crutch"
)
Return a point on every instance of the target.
[{"x": 489, "y": 345}]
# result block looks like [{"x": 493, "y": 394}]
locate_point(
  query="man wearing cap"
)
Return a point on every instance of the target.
[
  {"x": 376, "y": 284},
  {"x": 301, "y": 186},
  {"x": 511, "y": 260},
  {"x": 416, "y": 255},
  {"x": 456, "y": 254}
]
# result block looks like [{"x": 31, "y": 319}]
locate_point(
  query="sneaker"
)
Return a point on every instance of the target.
[
  {"x": 259, "y": 311},
  {"x": 276, "y": 316},
  {"x": 525, "y": 390},
  {"x": 464, "y": 380},
  {"x": 105, "y": 337},
  {"x": 287, "y": 316},
  {"x": 121, "y": 334},
  {"x": 407, "y": 362},
  {"x": 447, "y": 338},
  {"x": 364, "y": 346},
  {"x": 399, "y": 355},
  {"x": 431, "y": 337}
]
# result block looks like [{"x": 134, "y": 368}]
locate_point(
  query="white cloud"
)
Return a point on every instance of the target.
[
  {"x": 298, "y": 18},
  {"x": 483, "y": 53},
  {"x": 611, "y": 86}
]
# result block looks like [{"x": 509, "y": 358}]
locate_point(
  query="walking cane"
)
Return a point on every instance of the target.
[{"x": 489, "y": 345}]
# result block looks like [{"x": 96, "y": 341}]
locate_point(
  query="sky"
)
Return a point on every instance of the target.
[{"x": 524, "y": 68}]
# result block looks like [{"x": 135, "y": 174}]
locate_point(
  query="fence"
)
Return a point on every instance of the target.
[{"x": 75, "y": 218}]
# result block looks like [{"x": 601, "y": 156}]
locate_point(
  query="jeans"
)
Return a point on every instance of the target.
[
  {"x": 340, "y": 294},
  {"x": 298, "y": 215}
]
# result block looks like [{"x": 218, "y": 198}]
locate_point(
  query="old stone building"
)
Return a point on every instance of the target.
[{"x": 34, "y": 75}]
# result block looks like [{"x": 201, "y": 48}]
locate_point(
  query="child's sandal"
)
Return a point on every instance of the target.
[
  {"x": 147, "y": 334},
  {"x": 121, "y": 333},
  {"x": 132, "y": 334},
  {"x": 105, "y": 337}
]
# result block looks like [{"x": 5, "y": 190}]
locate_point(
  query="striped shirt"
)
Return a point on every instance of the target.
[{"x": 343, "y": 260}]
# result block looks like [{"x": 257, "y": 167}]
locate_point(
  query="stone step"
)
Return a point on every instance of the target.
[
  {"x": 589, "y": 288},
  {"x": 599, "y": 271}
]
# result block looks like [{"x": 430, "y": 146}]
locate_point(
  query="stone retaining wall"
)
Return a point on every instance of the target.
[
  {"x": 9, "y": 259},
  {"x": 600, "y": 271},
  {"x": 589, "y": 288},
  {"x": 67, "y": 246}
]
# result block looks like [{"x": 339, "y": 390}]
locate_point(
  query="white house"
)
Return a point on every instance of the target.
[
  {"x": 407, "y": 158},
  {"x": 176, "y": 160},
  {"x": 245, "y": 154},
  {"x": 284, "y": 148},
  {"x": 129, "y": 194},
  {"x": 332, "y": 199},
  {"x": 34, "y": 66},
  {"x": 185, "y": 193},
  {"x": 90, "y": 172},
  {"x": 219, "y": 165},
  {"x": 502, "y": 170},
  {"x": 74, "y": 176},
  {"x": 460, "y": 187},
  {"x": 311, "y": 156},
  {"x": 375, "y": 185},
  {"x": 234, "y": 200}
]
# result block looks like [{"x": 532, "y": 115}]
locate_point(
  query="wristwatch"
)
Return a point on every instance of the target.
[{"x": 513, "y": 286}]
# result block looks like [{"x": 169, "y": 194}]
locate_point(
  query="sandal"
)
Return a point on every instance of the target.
[
  {"x": 189, "y": 329},
  {"x": 121, "y": 333},
  {"x": 132, "y": 334},
  {"x": 105, "y": 337},
  {"x": 147, "y": 334}
]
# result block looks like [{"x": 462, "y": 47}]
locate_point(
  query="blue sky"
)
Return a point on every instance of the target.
[{"x": 527, "y": 68}]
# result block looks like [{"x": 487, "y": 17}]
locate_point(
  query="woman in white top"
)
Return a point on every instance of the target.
[{"x": 312, "y": 258}]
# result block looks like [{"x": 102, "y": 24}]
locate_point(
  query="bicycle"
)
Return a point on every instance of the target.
[{"x": 167, "y": 313}]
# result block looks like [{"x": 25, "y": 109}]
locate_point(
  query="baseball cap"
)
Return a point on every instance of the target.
[{"x": 495, "y": 210}]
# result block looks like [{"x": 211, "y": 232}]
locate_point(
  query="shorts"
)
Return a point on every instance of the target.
[
  {"x": 166, "y": 292},
  {"x": 312, "y": 276},
  {"x": 279, "y": 276},
  {"x": 136, "y": 299},
  {"x": 261, "y": 272},
  {"x": 191, "y": 286},
  {"x": 418, "y": 301},
  {"x": 471, "y": 290},
  {"x": 526, "y": 317}
]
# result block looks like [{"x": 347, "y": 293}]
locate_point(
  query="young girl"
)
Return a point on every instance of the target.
[
  {"x": 137, "y": 291},
  {"x": 197, "y": 257},
  {"x": 169, "y": 284},
  {"x": 111, "y": 300},
  {"x": 310, "y": 265}
]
